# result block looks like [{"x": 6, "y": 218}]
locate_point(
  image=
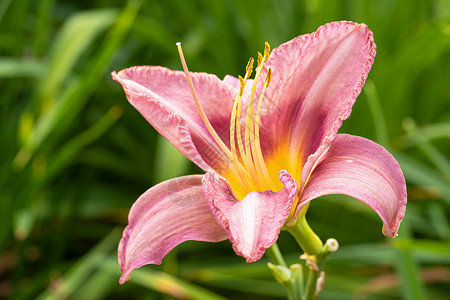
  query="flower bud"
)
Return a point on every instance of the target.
[{"x": 281, "y": 274}]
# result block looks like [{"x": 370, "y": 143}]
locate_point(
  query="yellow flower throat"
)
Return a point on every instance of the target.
[{"x": 247, "y": 169}]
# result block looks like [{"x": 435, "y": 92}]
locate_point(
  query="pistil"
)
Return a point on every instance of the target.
[
  {"x": 236, "y": 167},
  {"x": 199, "y": 106}
]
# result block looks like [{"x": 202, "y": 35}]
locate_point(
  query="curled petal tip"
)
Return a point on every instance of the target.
[
  {"x": 388, "y": 232},
  {"x": 124, "y": 278}
]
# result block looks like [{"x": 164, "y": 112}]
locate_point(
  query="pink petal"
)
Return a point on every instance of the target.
[
  {"x": 364, "y": 170},
  {"x": 315, "y": 81},
  {"x": 231, "y": 80},
  {"x": 163, "y": 97},
  {"x": 253, "y": 223},
  {"x": 166, "y": 215}
]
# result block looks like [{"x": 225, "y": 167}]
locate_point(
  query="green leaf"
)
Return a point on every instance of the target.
[
  {"x": 12, "y": 68},
  {"x": 167, "y": 284},
  {"x": 75, "y": 37}
]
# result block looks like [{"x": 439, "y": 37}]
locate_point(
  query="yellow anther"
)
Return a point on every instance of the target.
[
  {"x": 242, "y": 82},
  {"x": 249, "y": 68},
  {"x": 247, "y": 169},
  {"x": 266, "y": 51},
  {"x": 260, "y": 58},
  {"x": 268, "y": 77}
]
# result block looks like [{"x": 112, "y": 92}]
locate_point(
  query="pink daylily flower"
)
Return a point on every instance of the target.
[{"x": 268, "y": 147}]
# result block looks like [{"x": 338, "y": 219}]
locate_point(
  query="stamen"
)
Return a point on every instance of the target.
[
  {"x": 268, "y": 77},
  {"x": 232, "y": 129},
  {"x": 249, "y": 68},
  {"x": 199, "y": 106},
  {"x": 248, "y": 166},
  {"x": 241, "y": 85},
  {"x": 249, "y": 120},
  {"x": 257, "y": 154},
  {"x": 234, "y": 158},
  {"x": 260, "y": 58},
  {"x": 245, "y": 155},
  {"x": 266, "y": 52},
  {"x": 240, "y": 172},
  {"x": 243, "y": 81},
  {"x": 238, "y": 131}
]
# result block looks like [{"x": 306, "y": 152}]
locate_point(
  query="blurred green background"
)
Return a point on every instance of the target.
[{"x": 75, "y": 155}]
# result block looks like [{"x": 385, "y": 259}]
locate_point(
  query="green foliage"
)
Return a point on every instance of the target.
[{"x": 74, "y": 154}]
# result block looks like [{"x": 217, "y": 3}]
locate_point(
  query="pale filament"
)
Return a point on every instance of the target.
[{"x": 256, "y": 150}]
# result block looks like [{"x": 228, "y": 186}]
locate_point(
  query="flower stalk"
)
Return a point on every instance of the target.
[
  {"x": 297, "y": 282},
  {"x": 275, "y": 255},
  {"x": 316, "y": 253},
  {"x": 287, "y": 277},
  {"x": 305, "y": 236},
  {"x": 316, "y": 277}
]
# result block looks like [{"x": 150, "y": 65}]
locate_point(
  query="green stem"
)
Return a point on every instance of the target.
[
  {"x": 313, "y": 274},
  {"x": 277, "y": 259},
  {"x": 275, "y": 255},
  {"x": 305, "y": 237},
  {"x": 311, "y": 284},
  {"x": 297, "y": 281},
  {"x": 315, "y": 253}
]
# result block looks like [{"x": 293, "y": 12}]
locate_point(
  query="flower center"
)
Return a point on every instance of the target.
[{"x": 247, "y": 171}]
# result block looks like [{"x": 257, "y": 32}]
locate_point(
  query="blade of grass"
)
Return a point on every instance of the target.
[
  {"x": 239, "y": 283},
  {"x": 438, "y": 220},
  {"x": 44, "y": 10},
  {"x": 421, "y": 175},
  {"x": 433, "y": 155},
  {"x": 429, "y": 132},
  {"x": 16, "y": 13},
  {"x": 12, "y": 68},
  {"x": 426, "y": 250},
  {"x": 3, "y": 7},
  {"x": 55, "y": 121},
  {"x": 164, "y": 283},
  {"x": 382, "y": 136},
  {"x": 408, "y": 268},
  {"x": 76, "y": 95},
  {"x": 75, "y": 37},
  {"x": 82, "y": 269},
  {"x": 62, "y": 158},
  {"x": 100, "y": 284}
]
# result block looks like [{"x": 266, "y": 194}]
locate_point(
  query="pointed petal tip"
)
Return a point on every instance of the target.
[
  {"x": 389, "y": 232},
  {"x": 255, "y": 258},
  {"x": 115, "y": 76},
  {"x": 124, "y": 278}
]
